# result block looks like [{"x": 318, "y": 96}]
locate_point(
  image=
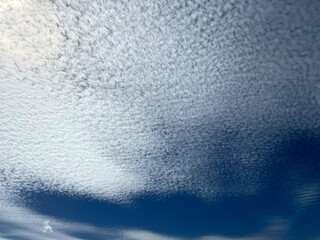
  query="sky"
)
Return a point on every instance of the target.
[{"x": 159, "y": 120}]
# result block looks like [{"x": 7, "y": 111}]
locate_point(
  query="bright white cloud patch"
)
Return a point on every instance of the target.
[
  {"x": 145, "y": 235},
  {"x": 46, "y": 227}
]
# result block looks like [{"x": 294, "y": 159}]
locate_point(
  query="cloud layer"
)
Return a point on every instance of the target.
[{"x": 117, "y": 99}]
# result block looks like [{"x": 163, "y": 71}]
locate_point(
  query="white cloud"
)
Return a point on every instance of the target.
[
  {"x": 46, "y": 227},
  {"x": 145, "y": 235},
  {"x": 80, "y": 111},
  {"x": 105, "y": 99}
]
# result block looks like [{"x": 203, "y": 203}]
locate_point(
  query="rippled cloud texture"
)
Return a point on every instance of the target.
[{"x": 117, "y": 101}]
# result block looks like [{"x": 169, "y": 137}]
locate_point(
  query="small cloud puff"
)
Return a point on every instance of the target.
[{"x": 46, "y": 227}]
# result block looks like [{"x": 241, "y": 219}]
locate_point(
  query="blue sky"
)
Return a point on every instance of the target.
[{"x": 159, "y": 120}]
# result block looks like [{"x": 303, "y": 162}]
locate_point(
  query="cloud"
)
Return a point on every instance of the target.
[
  {"x": 116, "y": 100},
  {"x": 266, "y": 234},
  {"x": 307, "y": 195},
  {"x": 145, "y": 235},
  {"x": 29, "y": 37},
  {"x": 46, "y": 227}
]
